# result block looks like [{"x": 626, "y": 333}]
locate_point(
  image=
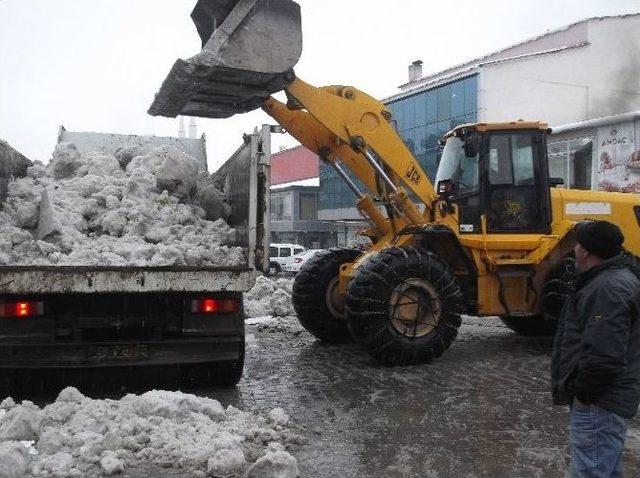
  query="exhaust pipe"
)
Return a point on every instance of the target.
[{"x": 249, "y": 49}]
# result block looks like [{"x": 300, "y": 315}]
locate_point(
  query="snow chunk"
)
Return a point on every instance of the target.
[
  {"x": 59, "y": 465},
  {"x": 277, "y": 463},
  {"x": 7, "y": 403},
  {"x": 279, "y": 417},
  {"x": 71, "y": 395},
  {"x": 226, "y": 463},
  {"x": 65, "y": 161},
  {"x": 110, "y": 464},
  {"x": 13, "y": 459},
  {"x": 269, "y": 298},
  {"x": 21, "y": 423}
]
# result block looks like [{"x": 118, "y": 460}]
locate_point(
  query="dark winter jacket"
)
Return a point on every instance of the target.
[{"x": 596, "y": 355}]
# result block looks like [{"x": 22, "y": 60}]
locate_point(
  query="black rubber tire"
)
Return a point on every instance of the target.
[
  {"x": 531, "y": 326},
  {"x": 277, "y": 269},
  {"x": 369, "y": 301},
  {"x": 217, "y": 374},
  {"x": 309, "y": 295}
]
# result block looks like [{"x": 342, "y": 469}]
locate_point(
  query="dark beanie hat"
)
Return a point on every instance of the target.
[{"x": 600, "y": 238}]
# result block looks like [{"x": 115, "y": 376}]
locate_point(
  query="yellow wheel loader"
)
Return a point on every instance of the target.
[{"x": 494, "y": 237}]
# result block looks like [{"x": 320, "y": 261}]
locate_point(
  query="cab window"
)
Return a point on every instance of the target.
[{"x": 285, "y": 252}]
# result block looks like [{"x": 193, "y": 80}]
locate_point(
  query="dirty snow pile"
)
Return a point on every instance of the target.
[
  {"x": 269, "y": 298},
  {"x": 77, "y": 436},
  {"x": 141, "y": 207}
]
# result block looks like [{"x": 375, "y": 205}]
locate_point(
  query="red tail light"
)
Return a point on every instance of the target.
[
  {"x": 21, "y": 309},
  {"x": 215, "y": 306}
]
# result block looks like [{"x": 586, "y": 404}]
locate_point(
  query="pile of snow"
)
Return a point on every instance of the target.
[
  {"x": 131, "y": 210},
  {"x": 76, "y": 437},
  {"x": 269, "y": 298}
]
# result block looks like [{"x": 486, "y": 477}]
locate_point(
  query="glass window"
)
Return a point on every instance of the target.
[
  {"x": 471, "y": 94},
  {"x": 273, "y": 251},
  {"x": 420, "y": 109},
  {"x": 397, "y": 114},
  {"x": 285, "y": 252},
  {"x": 457, "y": 99},
  {"x": 444, "y": 102},
  {"x": 408, "y": 113},
  {"x": 500, "y": 170},
  {"x": 522, "y": 154},
  {"x": 431, "y": 133},
  {"x": 308, "y": 207},
  {"x": 297, "y": 251},
  {"x": 409, "y": 138},
  {"x": 457, "y": 167},
  {"x": 581, "y": 163},
  {"x": 431, "y": 103}
]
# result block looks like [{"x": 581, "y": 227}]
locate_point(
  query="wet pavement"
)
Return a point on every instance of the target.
[{"x": 483, "y": 409}]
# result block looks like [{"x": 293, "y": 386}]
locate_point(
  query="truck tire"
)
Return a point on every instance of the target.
[
  {"x": 274, "y": 269},
  {"x": 315, "y": 300},
  {"x": 213, "y": 374},
  {"x": 404, "y": 306}
]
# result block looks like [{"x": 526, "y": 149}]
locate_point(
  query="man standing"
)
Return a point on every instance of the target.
[{"x": 596, "y": 358}]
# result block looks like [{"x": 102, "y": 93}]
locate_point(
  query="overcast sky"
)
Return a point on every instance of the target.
[{"x": 96, "y": 65}]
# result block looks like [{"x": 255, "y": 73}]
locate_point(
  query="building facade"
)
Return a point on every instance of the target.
[
  {"x": 294, "y": 200},
  {"x": 575, "y": 74},
  {"x": 602, "y": 153}
]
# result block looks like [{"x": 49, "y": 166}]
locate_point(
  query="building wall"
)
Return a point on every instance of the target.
[
  {"x": 604, "y": 157},
  {"x": 293, "y": 165},
  {"x": 594, "y": 80}
]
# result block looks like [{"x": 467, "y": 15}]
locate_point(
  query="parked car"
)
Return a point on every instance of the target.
[
  {"x": 282, "y": 254},
  {"x": 299, "y": 259}
]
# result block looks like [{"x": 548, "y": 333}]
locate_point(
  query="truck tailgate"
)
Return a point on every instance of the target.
[{"x": 60, "y": 280}]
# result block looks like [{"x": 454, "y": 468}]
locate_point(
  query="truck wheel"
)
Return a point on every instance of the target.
[
  {"x": 319, "y": 307},
  {"x": 274, "y": 269},
  {"x": 404, "y": 306},
  {"x": 220, "y": 374}
]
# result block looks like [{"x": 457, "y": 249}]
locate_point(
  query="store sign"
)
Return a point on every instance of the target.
[{"x": 618, "y": 159}]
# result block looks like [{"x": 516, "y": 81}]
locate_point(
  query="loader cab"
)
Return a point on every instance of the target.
[{"x": 498, "y": 171}]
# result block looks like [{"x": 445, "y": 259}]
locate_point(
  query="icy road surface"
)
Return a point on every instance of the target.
[{"x": 481, "y": 410}]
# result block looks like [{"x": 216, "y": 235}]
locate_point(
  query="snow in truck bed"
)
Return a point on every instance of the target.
[{"x": 141, "y": 207}]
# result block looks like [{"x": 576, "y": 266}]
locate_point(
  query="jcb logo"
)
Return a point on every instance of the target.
[{"x": 413, "y": 175}]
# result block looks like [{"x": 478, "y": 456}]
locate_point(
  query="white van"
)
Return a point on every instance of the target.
[{"x": 281, "y": 254}]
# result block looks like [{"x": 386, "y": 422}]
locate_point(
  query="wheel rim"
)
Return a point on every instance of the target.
[
  {"x": 334, "y": 299},
  {"x": 415, "y": 308}
]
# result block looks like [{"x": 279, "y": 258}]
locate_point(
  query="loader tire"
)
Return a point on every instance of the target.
[
  {"x": 404, "y": 306},
  {"x": 320, "y": 310}
]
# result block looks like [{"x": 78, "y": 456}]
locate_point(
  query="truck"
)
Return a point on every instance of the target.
[{"x": 68, "y": 317}]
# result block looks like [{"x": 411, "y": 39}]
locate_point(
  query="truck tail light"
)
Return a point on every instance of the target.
[
  {"x": 215, "y": 306},
  {"x": 21, "y": 309}
]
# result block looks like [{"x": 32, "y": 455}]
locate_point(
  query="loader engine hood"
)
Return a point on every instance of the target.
[{"x": 249, "y": 49}]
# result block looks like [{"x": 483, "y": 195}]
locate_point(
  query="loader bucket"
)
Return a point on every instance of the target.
[{"x": 249, "y": 50}]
